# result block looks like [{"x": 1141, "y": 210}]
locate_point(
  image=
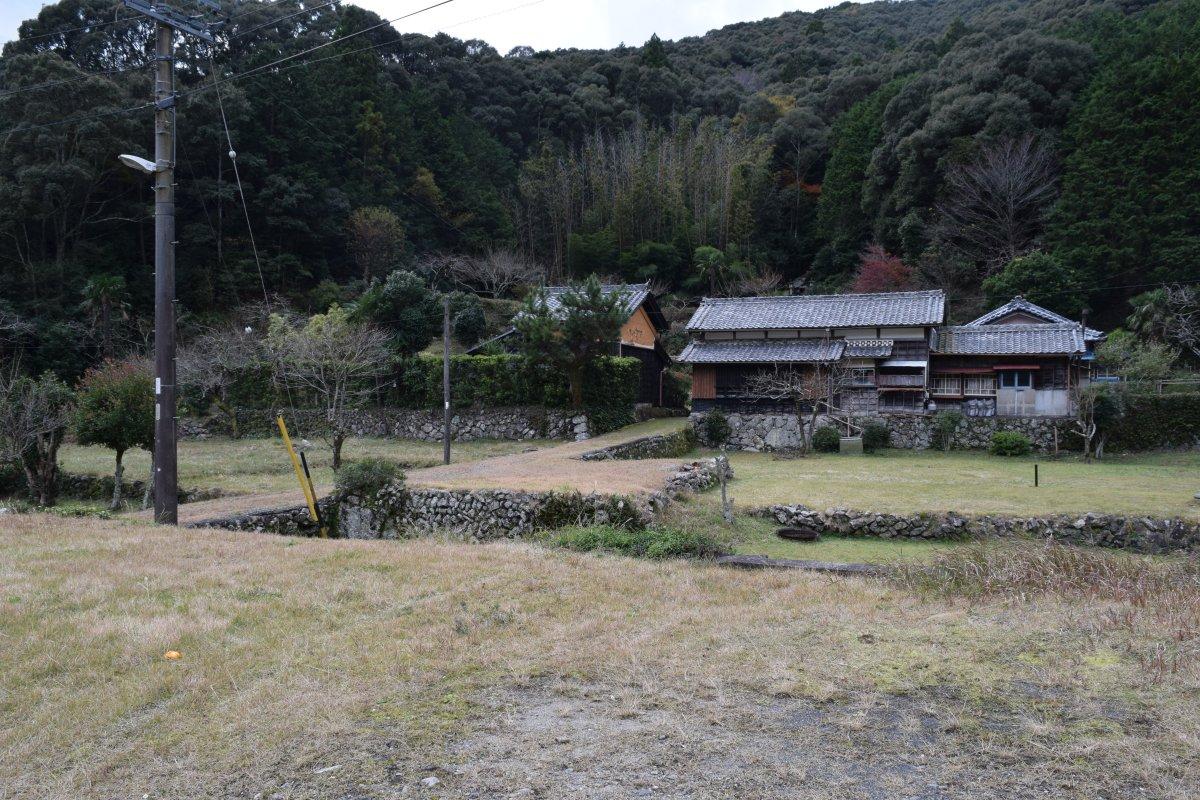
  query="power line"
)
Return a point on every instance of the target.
[
  {"x": 76, "y": 78},
  {"x": 263, "y": 67},
  {"x": 277, "y": 20},
  {"x": 75, "y": 120},
  {"x": 89, "y": 26}
]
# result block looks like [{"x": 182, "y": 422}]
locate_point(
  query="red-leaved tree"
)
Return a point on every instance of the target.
[{"x": 880, "y": 271}]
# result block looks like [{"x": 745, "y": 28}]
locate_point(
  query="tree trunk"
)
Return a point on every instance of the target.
[
  {"x": 338, "y": 440},
  {"x": 148, "y": 493},
  {"x": 115, "y": 505},
  {"x": 231, "y": 413},
  {"x": 41, "y": 474}
]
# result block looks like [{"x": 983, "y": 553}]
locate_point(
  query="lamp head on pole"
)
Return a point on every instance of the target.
[{"x": 138, "y": 163}]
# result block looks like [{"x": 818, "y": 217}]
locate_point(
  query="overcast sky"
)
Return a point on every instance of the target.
[{"x": 542, "y": 24}]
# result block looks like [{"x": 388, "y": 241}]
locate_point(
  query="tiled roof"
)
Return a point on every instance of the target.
[
  {"x": 1047, "y": 339},
  {"x": 819, "y": 311},
  {"x": 763, "y": 351},
  {"x": 632, "y": 295},
  {"x": 868, "y": 348},
  {"x": 1020, "y": 304}
]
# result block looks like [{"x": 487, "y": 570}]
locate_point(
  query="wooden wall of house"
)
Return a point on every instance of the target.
[
  {"x": 704, "y": 382},
  {"x": 1052, "y": 372},
  {"x": 638, "y": 329}
]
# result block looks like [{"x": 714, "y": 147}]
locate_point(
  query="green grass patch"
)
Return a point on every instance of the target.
[
  {"x": 653, "y": 543},
  {"x": 905, "y": 482}
]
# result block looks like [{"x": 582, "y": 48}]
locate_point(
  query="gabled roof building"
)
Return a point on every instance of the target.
[{"x": 1016, "y": 360}]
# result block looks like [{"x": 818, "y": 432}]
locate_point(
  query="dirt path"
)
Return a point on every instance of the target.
[
  {"x": 559, "y": 467},
  {"x": 540, "y": 470}
]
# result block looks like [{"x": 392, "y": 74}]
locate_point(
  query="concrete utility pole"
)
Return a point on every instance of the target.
[
  {"x": 166, "y": 481},
  {"x": 446, "y": 379}
]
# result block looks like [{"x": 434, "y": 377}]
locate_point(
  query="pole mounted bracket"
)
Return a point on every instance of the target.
[
  {"x": 166, "y": 16},
  {"x": 166, "y": 103}
]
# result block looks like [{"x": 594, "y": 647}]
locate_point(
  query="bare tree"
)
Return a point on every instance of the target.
[
  {"x": 34, "y": 414},
  {"x": 215, "y": 360},
  {"x": 758, "y": 283},
  {"x": 1182, "y": 324},
  {"x": 993, "y": 208},
  {"x": 810, "y": 388},
  {"x": 336, "y": 363},
  {"x": 496, "y": 273}
]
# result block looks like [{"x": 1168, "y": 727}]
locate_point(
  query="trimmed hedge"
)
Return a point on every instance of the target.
[
  {"x": 1010, "y": 443},
  {"x": 827, "y": 439},
  {"x": 609, "y": 392},
  {"x": 1158, "y": 420}
]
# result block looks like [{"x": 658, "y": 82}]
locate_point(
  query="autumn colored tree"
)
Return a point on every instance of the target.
[{"x": 880, "y": 271}]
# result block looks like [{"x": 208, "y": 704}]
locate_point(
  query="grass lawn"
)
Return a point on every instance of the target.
[
  {"x": 903, "y": 481},
  {"x": 262, "y": 465},
  {"x": 321, "y": 668},
  {"x": 755, "y": 536}
]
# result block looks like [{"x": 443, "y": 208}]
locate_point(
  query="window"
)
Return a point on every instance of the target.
[
  {"x": 901, "y": 401},
  {"x": 1016, "y": 379},
  {"x": 862, "y": 376},
  {"x": 947, "y": 385},
  {"x": 980, "y": 385}
]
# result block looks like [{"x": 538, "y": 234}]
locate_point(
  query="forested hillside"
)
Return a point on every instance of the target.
[{"x": 1049, "y": 147}]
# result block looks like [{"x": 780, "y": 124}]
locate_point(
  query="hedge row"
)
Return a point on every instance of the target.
[
  {"x": 1158, "y": 420},
  {"x": 609, "y": 394}
]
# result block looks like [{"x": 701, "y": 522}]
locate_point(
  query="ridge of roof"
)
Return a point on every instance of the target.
[
  {"x": 1019, "y": 303},
  {"x": 873, "y": 309}
]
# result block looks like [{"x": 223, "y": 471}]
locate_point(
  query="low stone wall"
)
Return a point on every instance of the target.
[
  {"x": 100, "y": 487},
  {"x": 480, "y": 515},
  {"x": 767, "y": 432},
  {"x": 662, "y": 445},
  {"x": 467, "y": 424},
  {"x": 1140, "y": 534}
]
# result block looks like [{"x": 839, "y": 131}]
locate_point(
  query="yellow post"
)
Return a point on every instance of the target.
[{"x": 309, "y": 495}]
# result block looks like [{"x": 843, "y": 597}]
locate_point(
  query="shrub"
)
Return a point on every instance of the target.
[
  {"x": 655, "y": 543},
  {"x": 827, "y": 440},
  {"x": 610, "y": 387},
  {"x": 1152, "y": 421},
  {"x": 1010, "y": 443},
  {"x": 676, "y": 389},
  {"x": 945, "y": 423},
  {"x": 368, "y": 477},
  {"x": 116, "y": 410},
  {"x": 717, "y": 429},
  {"x": 875, "y": 435}
]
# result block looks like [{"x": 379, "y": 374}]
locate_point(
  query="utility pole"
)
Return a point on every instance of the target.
[
  {"x": 166, "y": 480},
  {"x": 446, "y": 379}
]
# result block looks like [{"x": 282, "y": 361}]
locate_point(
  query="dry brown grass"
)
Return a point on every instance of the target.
[
  {"x": 385, "y": 657},
  {"x": 1153, "y": 604}
]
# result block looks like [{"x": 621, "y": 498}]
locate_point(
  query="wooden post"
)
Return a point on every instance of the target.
[
  {"x": 1035, "y": 475},
  {"x": 446, "y": 379}
]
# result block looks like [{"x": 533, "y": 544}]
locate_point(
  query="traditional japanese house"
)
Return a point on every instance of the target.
[
  {"x": 882, "y": 338},
  {"x": 640, "y": 337},
  {"x": 1017, "y": 360}
]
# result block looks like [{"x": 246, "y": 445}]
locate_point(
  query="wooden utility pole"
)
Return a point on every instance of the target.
[
  {"x": 166, "y": 481},
  {"x": 446, "y": 379}
]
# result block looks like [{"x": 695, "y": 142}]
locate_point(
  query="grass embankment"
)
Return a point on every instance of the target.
[
  {"x": 318, "y": 668},
  {"x": 254, "y": 465},
  {"x": 902, "y": 481}
]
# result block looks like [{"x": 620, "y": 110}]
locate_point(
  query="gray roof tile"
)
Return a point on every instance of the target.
[
  {"x": 632, "y": 295},
  {"x": 819, "y": 311},
  {"x": 1048, "y": 339},
  {"x": 763, "y": 351},
  {"x": 1020, "y": 304}
]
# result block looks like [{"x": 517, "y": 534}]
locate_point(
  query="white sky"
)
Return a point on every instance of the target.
[{"x": 542, "y": 24}]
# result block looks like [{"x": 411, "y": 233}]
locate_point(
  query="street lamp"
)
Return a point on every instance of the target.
[{"x": 138, "y": 163}]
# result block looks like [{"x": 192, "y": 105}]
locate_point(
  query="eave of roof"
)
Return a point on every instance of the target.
[
  {"x": 1011, "y": 340},
  {"x": 887, "y": 309},
  {"x": 763, "y": 351},
  {"x": 1020, "y": 304}
]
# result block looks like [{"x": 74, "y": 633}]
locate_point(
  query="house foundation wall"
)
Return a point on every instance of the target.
[{"x": 768, "y": 432}]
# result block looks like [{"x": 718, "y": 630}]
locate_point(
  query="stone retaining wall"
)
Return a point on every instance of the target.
[
  {"x": 467, "y": 424},
  {"x": 1140, "y": 534},
  {"x": 480, "y": 515},
  {"x": 767, "y": 432},
  {"x": 100, "y": 487},
  {"x": 662, "y": 445}
]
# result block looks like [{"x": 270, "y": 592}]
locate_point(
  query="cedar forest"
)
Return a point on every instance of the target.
[{"x": 1048, "y": 147}]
